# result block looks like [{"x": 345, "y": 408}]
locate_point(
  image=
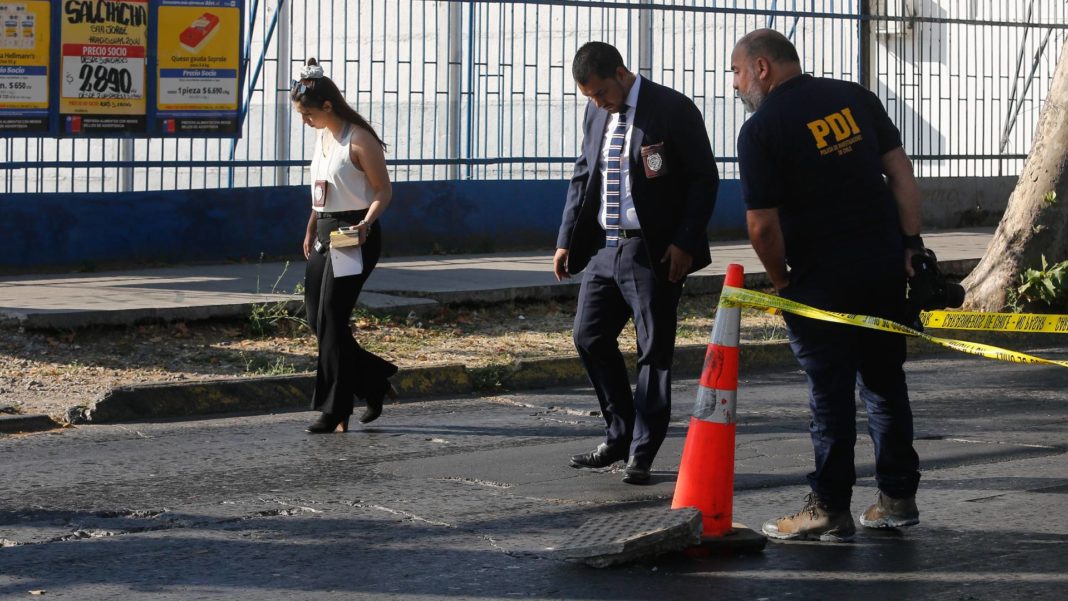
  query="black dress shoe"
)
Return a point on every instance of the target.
[
  {"x": 602, "y": 456},
  {"x": 637, "y": 471},
  {"x": 328, "y": 423},
  {"x": 374, "y": 403}
]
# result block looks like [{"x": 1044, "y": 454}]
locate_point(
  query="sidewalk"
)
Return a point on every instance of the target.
[{"x": 399, "y": 285}]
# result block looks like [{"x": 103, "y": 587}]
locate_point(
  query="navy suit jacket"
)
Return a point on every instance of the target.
[{"x": 673, "y": 208}]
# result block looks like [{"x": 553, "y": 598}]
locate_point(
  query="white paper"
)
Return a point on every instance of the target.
[{"x": 346, "y": 261}]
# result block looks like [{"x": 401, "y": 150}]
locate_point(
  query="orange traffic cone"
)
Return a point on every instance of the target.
[{"x": 706, "y": 473}]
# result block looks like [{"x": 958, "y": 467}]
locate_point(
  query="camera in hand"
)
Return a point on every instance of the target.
[{"x": 928, "y": 289}]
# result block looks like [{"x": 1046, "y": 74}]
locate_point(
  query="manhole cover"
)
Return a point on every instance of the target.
[{"x": 622, "y": 538}]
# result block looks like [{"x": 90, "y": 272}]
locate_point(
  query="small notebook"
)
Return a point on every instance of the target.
[{"x": 339, "y": 239}]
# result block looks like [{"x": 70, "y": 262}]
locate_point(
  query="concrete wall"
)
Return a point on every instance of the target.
[
  {"x": 955, "y": 202},
  {"x": 91, "y": 231}
]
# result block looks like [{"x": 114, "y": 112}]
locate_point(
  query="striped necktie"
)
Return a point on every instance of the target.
[{"x": 613, "y": 179}]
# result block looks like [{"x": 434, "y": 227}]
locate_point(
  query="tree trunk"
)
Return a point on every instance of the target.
[{"x": 1032, "y": 225}]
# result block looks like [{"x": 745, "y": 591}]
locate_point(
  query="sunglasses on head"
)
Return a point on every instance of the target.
[{"x": 299, "y": 88}]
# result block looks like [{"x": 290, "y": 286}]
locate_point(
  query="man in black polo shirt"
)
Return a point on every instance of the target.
[{"x": 834, "y": 234}]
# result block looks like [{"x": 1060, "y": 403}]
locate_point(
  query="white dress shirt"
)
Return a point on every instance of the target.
[{"x": 628, "y": 218}]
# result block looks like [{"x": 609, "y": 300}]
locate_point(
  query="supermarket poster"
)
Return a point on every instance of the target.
[
  {"x": 199, "y": 50},
  {"x": 25, "y": 26},
  {"x": 103, "y": 47}
]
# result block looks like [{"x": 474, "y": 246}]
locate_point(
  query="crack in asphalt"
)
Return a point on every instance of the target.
[
  {"x": 473, "y": 481},
  {"x": 172, "y": 522},
  {"x": 406, "y": 514},
  {"x": 543, "y": 410}
]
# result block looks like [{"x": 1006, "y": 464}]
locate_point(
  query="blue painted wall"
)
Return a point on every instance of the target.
[{"x": 137, "y": 228}]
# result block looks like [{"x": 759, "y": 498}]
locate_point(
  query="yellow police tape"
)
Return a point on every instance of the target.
[
  {"x": 996, "y": 322},
  {"x": 740, "y": 297}
]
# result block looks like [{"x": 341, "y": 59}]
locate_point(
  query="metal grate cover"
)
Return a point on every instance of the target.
[{"x": 622, "y": 538}]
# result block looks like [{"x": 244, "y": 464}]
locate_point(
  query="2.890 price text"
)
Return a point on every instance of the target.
[{"x": 102, "y": 78}]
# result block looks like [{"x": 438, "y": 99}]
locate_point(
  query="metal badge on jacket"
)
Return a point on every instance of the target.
[{"x": 653, "y": 160}]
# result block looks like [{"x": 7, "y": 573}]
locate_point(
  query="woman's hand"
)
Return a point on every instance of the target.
[
  {"x": 310, "y": 233},
  {"x": 363, "y": 229}
]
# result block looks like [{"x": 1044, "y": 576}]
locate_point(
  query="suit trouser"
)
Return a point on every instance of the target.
[
  {"x": 617, "y": 285},
  {"x": 344, "y": 369},
  {"x": 838, "y": 360}
]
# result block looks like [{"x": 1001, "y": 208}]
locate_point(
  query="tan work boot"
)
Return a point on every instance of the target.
[
  {"x": 813, "y": 522},
  {"x": 888, "y": 512}
]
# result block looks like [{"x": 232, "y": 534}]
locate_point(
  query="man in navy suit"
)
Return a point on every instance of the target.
[{"x": 636, "y": 219}]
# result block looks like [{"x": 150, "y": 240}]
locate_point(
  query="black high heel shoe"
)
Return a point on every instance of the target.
[
  {"x": 328, "y": 423},
  {"x": 374, "y": 403}
]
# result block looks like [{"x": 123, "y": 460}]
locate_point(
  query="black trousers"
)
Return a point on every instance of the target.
[
  {"x": 344, "y": 370},
  {"x": 617, "y": 285}
]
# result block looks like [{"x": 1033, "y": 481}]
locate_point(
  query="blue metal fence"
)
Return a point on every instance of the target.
[{"x": 482, "y": 90}]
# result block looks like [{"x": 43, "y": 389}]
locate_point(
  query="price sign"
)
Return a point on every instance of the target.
[
  {"x": 102, "y": 69},
  {"x": 24, "y": 87},
  {"x": 198, "y": 70},
  {"x": 198, "y": 89},
  {"x": 116, "y": 72},
  {"x": 24, "y": 69}
]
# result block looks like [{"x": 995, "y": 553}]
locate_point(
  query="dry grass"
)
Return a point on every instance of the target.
[{"x": 502, "y": 334}]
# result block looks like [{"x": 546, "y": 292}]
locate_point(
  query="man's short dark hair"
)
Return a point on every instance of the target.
[
  {"x": 596, "y": 58},
  {"x": 771, "y": 45}
]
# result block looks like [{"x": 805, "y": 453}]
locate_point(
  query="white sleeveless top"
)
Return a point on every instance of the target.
[{"x": 347, "y": 186}]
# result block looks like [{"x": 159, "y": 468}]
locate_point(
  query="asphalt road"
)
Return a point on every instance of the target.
[{"x": 460, "y": 498}]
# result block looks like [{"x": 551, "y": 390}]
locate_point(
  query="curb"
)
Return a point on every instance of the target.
[
  {"x": 375, "y": 302},
  {"x": 246, "y": 395},
  {"x": 291, "y": 392},
  {"x": 696, "y": 284}
]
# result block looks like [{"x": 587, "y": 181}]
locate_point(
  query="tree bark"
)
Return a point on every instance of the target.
[{"x": 1032, "y": 226}]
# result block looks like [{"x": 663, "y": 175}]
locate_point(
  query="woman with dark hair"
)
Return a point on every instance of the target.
[{"x": 350, "y": 189}]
